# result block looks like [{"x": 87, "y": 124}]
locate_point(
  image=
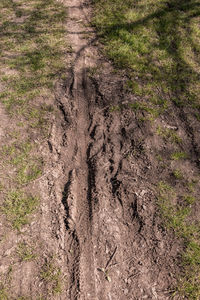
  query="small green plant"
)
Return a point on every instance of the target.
[
  {"x": 159, "y": 157},
  {"x": 25, "y": 252},
  {"x": 168, "y": 135},
  {"x": 164, "y": 188},
  {"x": 189, "y": 199},
  {"x": 179, "y": 155},
  {"x": 153, "y": 112},
  {"x": 106, "y": 274},
  {"x": 114, "y": 108},
  {"x": 178, "y": 174},
  {"x": 191, "y": 185},
  {"x": 18, "y": 206},
  {"x": 92, "y": 71}
]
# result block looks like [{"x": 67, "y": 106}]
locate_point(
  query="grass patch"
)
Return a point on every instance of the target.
[
  {"x": 27, "y": 166},
  {"x": 115, "y": 108},
  {"x": 159, "y": 158},
  {"x": 33, "y": 49},
  {"x": 168, "y": 135},
  {"x": 179, "y": 155},
  {"x": 18, "y": 206},
  {"x": 189, "y": 199},
  {"x": 157, "y": 42},
  {"x": 32, "y": 59},
  {"x": 3, "y": 293},
  {"x": 152, "y": 112},
  {"x": 52, "y": 276},
  {"x": 178, "y": 174},
  {"x": 176, "y": 217},
  {"x": 140, "y": 107},
  {"x": 25, "y": 252}
]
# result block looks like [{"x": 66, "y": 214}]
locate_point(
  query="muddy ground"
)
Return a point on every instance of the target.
[{"x": 99, "y": 212}]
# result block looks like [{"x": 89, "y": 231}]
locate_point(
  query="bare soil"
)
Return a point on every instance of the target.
[{"x": 98, "y": 213}]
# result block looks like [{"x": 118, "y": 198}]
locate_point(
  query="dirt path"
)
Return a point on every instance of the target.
[{"x": 116, "y": 249}]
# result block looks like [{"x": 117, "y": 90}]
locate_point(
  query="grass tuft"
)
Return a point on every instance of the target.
[
  {"x": 33, "y": 58},
  {"x": 26, "y": 166},
  {"x": 25, "y": 252},
  {"x": 178, "y": 174},
  {"x": 168, "y": 135},
  {"x": 18, "y": 206},
  {"x": 3, "y": 292},
  {"x": 179, "y": 155},
  {"x": 52, "y": 276}
]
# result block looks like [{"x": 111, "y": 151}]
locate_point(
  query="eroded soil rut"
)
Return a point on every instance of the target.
[{"x": 112, "y": 239}]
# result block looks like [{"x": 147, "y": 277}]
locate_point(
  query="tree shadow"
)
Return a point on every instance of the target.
[
  {"x": 32, "y": 47},
  {"x": 172, "y": 25}
]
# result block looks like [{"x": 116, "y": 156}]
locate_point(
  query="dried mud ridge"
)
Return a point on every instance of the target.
[{"x": 114, "y": 245}]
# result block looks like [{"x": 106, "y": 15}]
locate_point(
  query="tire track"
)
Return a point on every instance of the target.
[
  {"x": 109, "y": 256},
  {"x": 77, "y": 192}
]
